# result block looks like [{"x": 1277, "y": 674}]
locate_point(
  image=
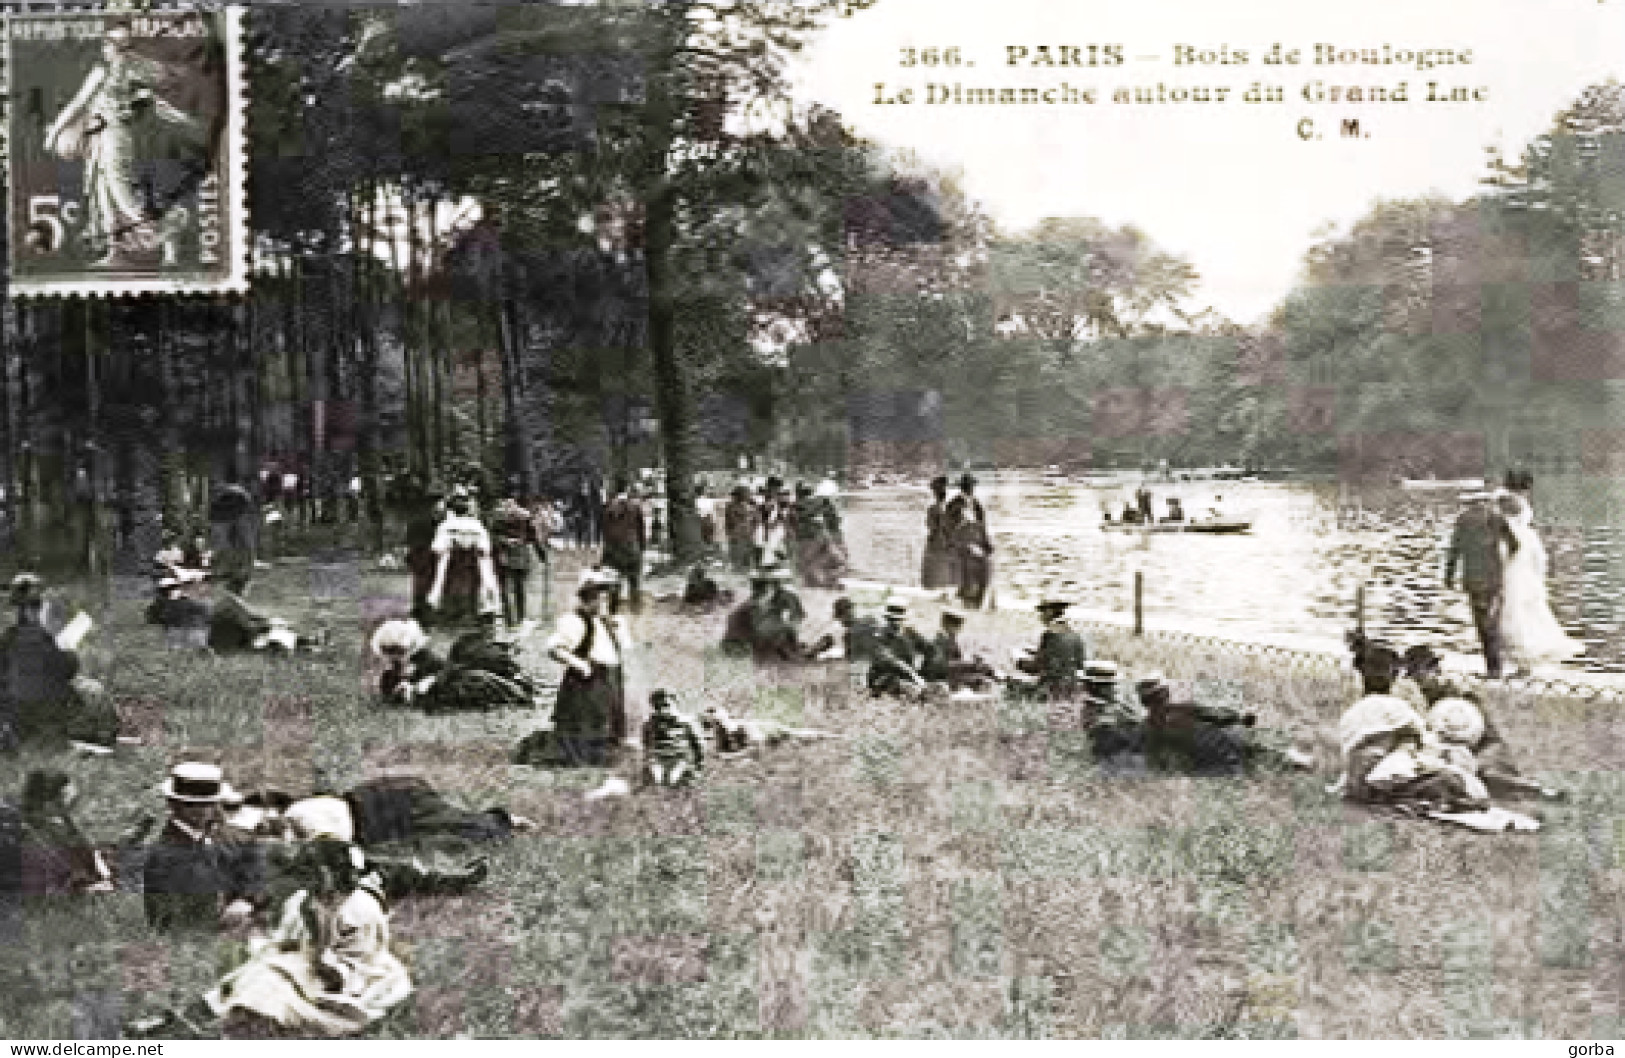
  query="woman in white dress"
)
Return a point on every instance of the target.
[{"x": 1531, "y": 633}]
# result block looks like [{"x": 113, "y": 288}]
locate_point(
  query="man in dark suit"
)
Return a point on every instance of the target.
[
  {"x": 1061, "y": 655},
  {"x": 972, "y": 543},
  {"x": 197, "y": 876},
  {"x": 626, "y": 537},
  {"x": 1476, "y": 550}
]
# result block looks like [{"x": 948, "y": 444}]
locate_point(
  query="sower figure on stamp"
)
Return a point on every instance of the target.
[{"x": 1476, "y": 549}]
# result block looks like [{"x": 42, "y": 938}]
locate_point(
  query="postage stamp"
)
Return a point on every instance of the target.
[{"x": 125, "y": 152}]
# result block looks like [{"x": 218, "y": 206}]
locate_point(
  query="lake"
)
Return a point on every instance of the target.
[{"x": 1293, "y": 579}]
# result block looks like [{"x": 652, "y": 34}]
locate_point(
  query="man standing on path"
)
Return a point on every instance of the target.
[
  {"x": 972, "y": 543},
  {"x": 625, "y": 539},
  {"x": 1476, "y": 548}
]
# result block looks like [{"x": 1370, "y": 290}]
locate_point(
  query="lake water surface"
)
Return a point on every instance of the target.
[{"x": 1294, "y": 577}]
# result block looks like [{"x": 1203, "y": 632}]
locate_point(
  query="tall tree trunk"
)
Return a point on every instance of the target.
[
  {"x": 513, "y": 333},
  {"x": 674, "y": 398}
]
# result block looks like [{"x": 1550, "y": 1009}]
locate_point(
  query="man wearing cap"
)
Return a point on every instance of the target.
[
  {"x": 900, "y": 651},
  {"x": 1061, "y": 655},
  {"x": 767, "y": 626},
  {"x": 1480, "y": 545},
  {"x": 41, "y": 697},
  {"x": 973, "y": 545},
  {"x": 626, "y": 537},
  {"x": 589, "y": 717},
  {"x": 947, "y": 663},
  {"x": 196, "y": 876},
  {"x": 1115, "y": 719}
]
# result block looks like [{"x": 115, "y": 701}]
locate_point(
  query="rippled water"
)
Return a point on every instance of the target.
[{"x": 1296, "y": 574}]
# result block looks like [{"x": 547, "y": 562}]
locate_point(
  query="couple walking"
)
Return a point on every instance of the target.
[
  {"x": 1503, "y": 567},
  {"x": 958, "y": 546}
]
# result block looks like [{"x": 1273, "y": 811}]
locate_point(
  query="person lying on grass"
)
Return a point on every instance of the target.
[
  {"x": 735, "y": 736},
  {"x": 1462, "y": 731},
  {"x": 237, "y": 627},
  {"x": 480, "y": 675},
  {"x": 325, "y": 970},
  {"x": 673, "y": 749}
]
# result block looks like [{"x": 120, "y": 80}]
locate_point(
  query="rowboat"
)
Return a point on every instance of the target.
[{"x": 1211, "y": 526}]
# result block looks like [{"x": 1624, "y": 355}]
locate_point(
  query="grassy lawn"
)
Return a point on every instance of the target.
[{"x": 948, "y": 871}]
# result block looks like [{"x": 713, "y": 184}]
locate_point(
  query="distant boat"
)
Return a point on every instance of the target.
[
  {"x": 1457, "y": 484},
  {"x": 1211, "y": 526}
]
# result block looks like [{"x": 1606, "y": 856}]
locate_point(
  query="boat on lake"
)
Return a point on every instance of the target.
[{"x": 1211, "y": 526}]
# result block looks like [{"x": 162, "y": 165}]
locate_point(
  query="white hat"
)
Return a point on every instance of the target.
[
  {"x": 828, "y": 488},
  {"x": 1457, "y": 720},
  {"x": 1377, "y": 714},
  {"x": 321, "y": 817},
  {"x": 196, "y": 783},
  {"x": 399, "y": 635}
]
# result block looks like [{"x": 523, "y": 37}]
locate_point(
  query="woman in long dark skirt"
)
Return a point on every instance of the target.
[
  {"x": 589, "y": 719},
  {"x": 940, "y": 566}
]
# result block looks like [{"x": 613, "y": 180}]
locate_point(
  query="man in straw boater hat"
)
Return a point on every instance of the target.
[
  {"x": 42, "y": 695},
  {"x": 948, "y": 663},
  {"x": 1053, "y": 669},
  {"x": 900, "y": 651},
  {"x": 767, "y": 626},
  {"x": 197, "y": 876}
]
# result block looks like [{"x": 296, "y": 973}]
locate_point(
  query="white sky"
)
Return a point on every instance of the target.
[{"x": 1230, "y": 186}]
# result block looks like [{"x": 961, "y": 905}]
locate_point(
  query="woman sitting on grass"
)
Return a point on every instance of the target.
[
  {"x": 1391, "y": 757},
  {"x": 479, "y": 676},
  {"x": 56, "y": 856},
  {"x": 326, "y": 969}
]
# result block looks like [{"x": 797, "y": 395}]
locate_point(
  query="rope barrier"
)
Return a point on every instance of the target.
[{"x": 1303, "y": 658}]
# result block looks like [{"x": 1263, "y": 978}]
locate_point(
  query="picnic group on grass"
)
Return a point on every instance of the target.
[{"x": 313, "y": 875}]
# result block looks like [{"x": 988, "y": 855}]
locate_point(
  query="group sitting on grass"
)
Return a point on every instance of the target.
[{"x": 1420, "y": 742}]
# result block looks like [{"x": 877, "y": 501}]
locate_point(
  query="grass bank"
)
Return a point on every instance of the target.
[{"x": 948, "y": 871}]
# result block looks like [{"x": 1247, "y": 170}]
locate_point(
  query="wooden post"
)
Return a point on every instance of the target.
[
  {"x": 1359, "y": 609},
  {"x": 1139, "y": 603}
]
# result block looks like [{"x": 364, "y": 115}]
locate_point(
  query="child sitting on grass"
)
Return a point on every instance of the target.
[{"x": 673, "y": 750}]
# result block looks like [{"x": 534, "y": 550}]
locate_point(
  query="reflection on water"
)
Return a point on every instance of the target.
[{"x": 1297, "y": 572}]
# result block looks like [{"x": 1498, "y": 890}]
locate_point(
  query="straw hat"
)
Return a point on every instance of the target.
[
  {"x": 1376, "y": 715},
  {"x": 1100, "y": 672},
  {"x": 197, "y": 783},
  {"x": 321, "y": 817},
  {"x": 406, "y": 636},
  {"x": 26, "y": 588},
  {"x": 1457, "y": 720}
]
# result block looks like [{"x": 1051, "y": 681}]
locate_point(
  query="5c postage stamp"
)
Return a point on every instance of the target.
[{"x": 125, "y": 152}]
